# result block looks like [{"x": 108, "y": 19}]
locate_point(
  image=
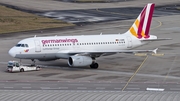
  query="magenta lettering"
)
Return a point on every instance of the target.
[{"x": 59, "y": 41}]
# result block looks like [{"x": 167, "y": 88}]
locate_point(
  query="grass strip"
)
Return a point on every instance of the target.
[{"x": 15, "y": 21}]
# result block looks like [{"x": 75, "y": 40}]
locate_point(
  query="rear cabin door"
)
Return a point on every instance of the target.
[
  {"x": 129, "y": 45},
  {"x": 37, "y": 46}
]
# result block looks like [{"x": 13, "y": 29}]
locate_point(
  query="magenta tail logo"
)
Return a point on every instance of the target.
[{"x": 141, "y": 26}]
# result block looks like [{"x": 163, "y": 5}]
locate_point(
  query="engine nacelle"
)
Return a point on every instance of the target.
[{"x": 79, "y": 61}]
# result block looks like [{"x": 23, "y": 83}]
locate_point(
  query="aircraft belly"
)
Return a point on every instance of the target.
[{"x": 36, "y": 56}]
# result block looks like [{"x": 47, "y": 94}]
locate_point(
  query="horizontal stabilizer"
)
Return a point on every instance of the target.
[{"x": 159, "y": 39}]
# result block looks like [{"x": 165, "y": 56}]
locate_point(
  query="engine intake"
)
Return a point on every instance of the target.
[{"x": 76, "y": 61}]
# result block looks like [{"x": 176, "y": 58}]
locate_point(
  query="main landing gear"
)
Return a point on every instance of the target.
[{"x": 94, "y": 65}]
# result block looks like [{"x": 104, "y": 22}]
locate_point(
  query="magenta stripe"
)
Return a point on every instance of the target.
[
  {"x": 149, "y": 21},
  {"x": 141, "y": 22}
]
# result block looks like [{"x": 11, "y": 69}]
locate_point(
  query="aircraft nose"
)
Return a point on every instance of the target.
[{"x": 12, "y": 52}]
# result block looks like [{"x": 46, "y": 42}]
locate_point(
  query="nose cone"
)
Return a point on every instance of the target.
[{"x": 12, "y": 52}]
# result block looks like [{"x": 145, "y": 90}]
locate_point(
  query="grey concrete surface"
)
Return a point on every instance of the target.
[
  {"x": 89, "y": 86},
  {"x": 117, "y": 76},
  {"x": 89, "y": 16},
  {"x": 39, "y": 5},
  {"x": 162, "y": 71},
  {"x": 44, "y": 95}
]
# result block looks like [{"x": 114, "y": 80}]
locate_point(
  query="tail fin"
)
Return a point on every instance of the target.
[{"x": 141, "y": 26}]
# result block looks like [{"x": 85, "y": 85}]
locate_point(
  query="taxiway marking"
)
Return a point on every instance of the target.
[
  {"x": 170, "y": 68},
  {"x": 135, "y": 73}
]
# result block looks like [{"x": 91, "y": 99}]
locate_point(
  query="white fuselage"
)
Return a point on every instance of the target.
[{"x": 56, "y": 47}]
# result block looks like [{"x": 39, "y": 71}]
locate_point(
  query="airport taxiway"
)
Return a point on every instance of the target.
[
  {"x": 121, "y": 69},
  {"x": 120, "y": 72}
]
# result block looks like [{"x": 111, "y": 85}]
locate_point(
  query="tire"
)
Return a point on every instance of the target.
[
  {"x": 21, "y": 70},
  {"x": 37, "y": 68},
  {"x": 94, "y": 66}
]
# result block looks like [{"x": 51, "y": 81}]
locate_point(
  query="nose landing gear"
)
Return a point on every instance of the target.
[{"x": 33, "y": 62}]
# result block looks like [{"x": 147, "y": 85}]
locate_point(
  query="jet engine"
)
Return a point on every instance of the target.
[{"x": 79, "y": 61}]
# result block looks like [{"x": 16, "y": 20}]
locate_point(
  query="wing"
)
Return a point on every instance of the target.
[{"x": 109, "y": 52}]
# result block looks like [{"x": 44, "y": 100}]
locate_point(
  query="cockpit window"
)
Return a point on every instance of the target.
[
  {"x": 18, "y": 45},
  {"x": 22, "y": 45},
  {"x": 26, "y": 45}
]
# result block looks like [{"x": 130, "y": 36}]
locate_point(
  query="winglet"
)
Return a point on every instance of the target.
[{"x": 155, "y": 51}]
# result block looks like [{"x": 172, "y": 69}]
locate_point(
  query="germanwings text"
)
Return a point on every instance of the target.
[{"x": 59, "y": 41}]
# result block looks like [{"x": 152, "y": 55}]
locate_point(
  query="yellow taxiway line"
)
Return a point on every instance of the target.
[{"x": 135, "y": 73}]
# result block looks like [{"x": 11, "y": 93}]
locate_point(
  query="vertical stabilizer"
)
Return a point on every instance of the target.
[{"x": 141, "y": 26}]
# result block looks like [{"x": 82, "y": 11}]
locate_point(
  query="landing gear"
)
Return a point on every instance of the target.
[
  {"x": 33, "y": 62},
  {"x": 94, "y": 65}
]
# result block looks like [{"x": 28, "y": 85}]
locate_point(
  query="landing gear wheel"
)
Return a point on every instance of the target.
[
  {"x": 21, "y": 70},
  {"x": 94, "y": 65}
]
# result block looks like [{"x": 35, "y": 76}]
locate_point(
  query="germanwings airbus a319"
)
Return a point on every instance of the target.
[{"x": 83, "y": 50}]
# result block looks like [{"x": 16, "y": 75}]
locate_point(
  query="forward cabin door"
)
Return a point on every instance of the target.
[
  {"x": 37, "y": 46},
  {"x": 129, "y": 44}
]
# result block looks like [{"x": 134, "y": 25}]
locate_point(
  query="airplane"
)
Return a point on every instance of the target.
[{"x": 82, "y": 50}]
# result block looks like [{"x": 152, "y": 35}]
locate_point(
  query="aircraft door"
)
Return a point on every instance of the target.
[
  {"x": 37, "y": 46},
  {"x": 129, "y": 44},
  {"x": 75, "y": 46}
]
